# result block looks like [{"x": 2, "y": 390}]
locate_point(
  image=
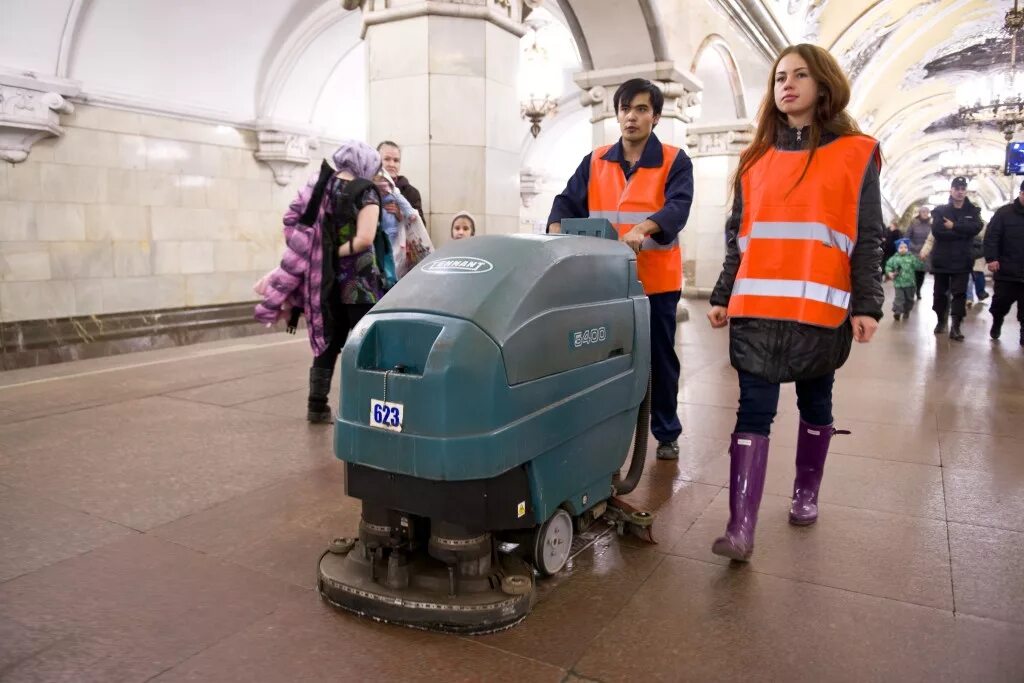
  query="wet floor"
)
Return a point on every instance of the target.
[{"x": 161, "y": 515}]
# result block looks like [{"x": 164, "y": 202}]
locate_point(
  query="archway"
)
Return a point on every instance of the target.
[{"x": 722, "y": 98}]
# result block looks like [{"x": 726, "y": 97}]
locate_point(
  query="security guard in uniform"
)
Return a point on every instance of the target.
[
  {"x": 645, "y": 188},
  {"x": 955, "y": 225}
]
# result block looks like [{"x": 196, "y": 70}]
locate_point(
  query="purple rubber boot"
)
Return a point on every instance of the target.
[
  {"x": 748, "y": 459},
  {"x": 811, "y": 449}
]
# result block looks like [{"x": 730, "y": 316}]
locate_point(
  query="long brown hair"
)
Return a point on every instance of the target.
[{"x": 829, "y": 114}]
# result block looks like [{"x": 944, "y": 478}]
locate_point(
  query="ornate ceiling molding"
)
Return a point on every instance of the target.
[
  {"x": 284, "y": 152},
  {"x": 953, "y": 122},
  {"x": 942, "y": 55},
  {"x": 30, "y": 109},
  {"x": 721, "y": 140},
  {"x": 502, "y": 13},
  {"x": 758, "y": 24},
  {"x": 975, "y": 58}
]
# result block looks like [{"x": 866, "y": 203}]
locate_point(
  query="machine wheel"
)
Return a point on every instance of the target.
[{"x": 552, "y": 543}]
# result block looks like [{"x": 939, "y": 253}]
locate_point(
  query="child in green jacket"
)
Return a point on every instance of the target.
[{"x": 900, "y": 268}]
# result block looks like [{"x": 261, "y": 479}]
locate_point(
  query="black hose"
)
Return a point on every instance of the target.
[{"x": 636, "y": 463}]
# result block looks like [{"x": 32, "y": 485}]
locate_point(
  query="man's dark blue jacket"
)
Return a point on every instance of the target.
[{"x": 572, "y": 203}]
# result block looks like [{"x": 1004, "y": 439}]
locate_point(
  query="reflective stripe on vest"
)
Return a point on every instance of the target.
[
  {"x": 796, "y": 240},
  {"x": 802, "y": 289},
  {"x": 626, "y": 204},
  {"x": 818, "y": 232}
]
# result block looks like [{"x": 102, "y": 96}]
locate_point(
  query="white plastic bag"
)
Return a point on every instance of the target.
[{"x": 415, "y": 244}]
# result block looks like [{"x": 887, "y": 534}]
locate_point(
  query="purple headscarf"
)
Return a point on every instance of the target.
[
  {"x": 297, "y": 281},
  {"x": 358, "y": 158}
]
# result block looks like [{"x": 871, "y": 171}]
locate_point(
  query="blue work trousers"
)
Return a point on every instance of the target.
[{"x": 665, "y": 423}]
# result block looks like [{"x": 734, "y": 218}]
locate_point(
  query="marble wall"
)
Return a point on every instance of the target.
[{"x": 132, "y": 212}]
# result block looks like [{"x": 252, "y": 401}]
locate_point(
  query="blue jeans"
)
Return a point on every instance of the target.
[
  {"x": 975, "y": 284},
  {"x": 759, "y": 401}
]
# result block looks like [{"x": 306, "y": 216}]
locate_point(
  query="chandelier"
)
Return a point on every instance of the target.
[
  {"x": 971, "y": 162},
  {"x": 540, "y": 80},
  {"x": 997, "y": 99}
]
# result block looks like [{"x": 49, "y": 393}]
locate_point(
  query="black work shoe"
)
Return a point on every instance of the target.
[
  {"x": 668, "y": 450},
  {"x": 954, "y": 331},
  {"x": 940, "y": 327},
  {"x": 982, "y": 295},
  {"x": 895, "y": 316},
  {"x": 997, "y": 328}
]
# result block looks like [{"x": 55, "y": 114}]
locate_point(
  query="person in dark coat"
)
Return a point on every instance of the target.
[
  {"x": 917, "y": 232},
  {"x": 773, "y": 237},
  {"x": 954, "y": 226},
  {"x": 892, "y": 235},
  {"x": 1004, "y": 254}
]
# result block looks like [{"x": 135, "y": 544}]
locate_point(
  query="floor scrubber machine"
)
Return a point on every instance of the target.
[{"x": 488, "y": 403}]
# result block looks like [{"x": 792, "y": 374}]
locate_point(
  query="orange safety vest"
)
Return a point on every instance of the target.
[
  {"x": 626, "y": 204},
  {"x": 796, "y": 242}
]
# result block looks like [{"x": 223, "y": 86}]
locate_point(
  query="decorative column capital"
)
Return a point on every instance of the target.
[
  {"x": 681, "y": 89},
  {"x": 506, "y": 14},
  {"x": 720, "y": 140},
  {"x": 30, "y": 111},
  {"x": 284, "y": 151}
]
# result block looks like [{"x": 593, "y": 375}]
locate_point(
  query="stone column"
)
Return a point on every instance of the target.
[
  {"x": 442, "y": 83},
  {"x": 715, "y": 151}
]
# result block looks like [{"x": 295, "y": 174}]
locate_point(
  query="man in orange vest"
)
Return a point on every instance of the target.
[{"x": 645, "y": 189}]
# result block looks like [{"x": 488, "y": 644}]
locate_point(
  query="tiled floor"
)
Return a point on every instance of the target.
[{"x": 161, "y": 515}]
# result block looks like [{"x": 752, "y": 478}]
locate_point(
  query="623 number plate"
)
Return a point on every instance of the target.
[{"x": 386, "y": 415}]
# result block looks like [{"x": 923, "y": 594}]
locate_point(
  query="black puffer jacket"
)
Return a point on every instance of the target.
[
  {"x": 786, "y": 351},
  {"x": 889, "y": 239},
  {"x": 1004, "y": 242},
  {"x": 953, "y": 251}
]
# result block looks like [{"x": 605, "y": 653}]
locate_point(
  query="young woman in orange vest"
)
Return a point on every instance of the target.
[{"x": 801, "y": 278}]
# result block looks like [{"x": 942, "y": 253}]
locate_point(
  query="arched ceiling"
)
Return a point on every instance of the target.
[
  {"x": 242, "y": 61},
  {"x": 906, "y": 59},
  {"x": 613, "y": 33},
  {"x": 715, "y": 66},
  {"x": 230, "y": 61}
]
